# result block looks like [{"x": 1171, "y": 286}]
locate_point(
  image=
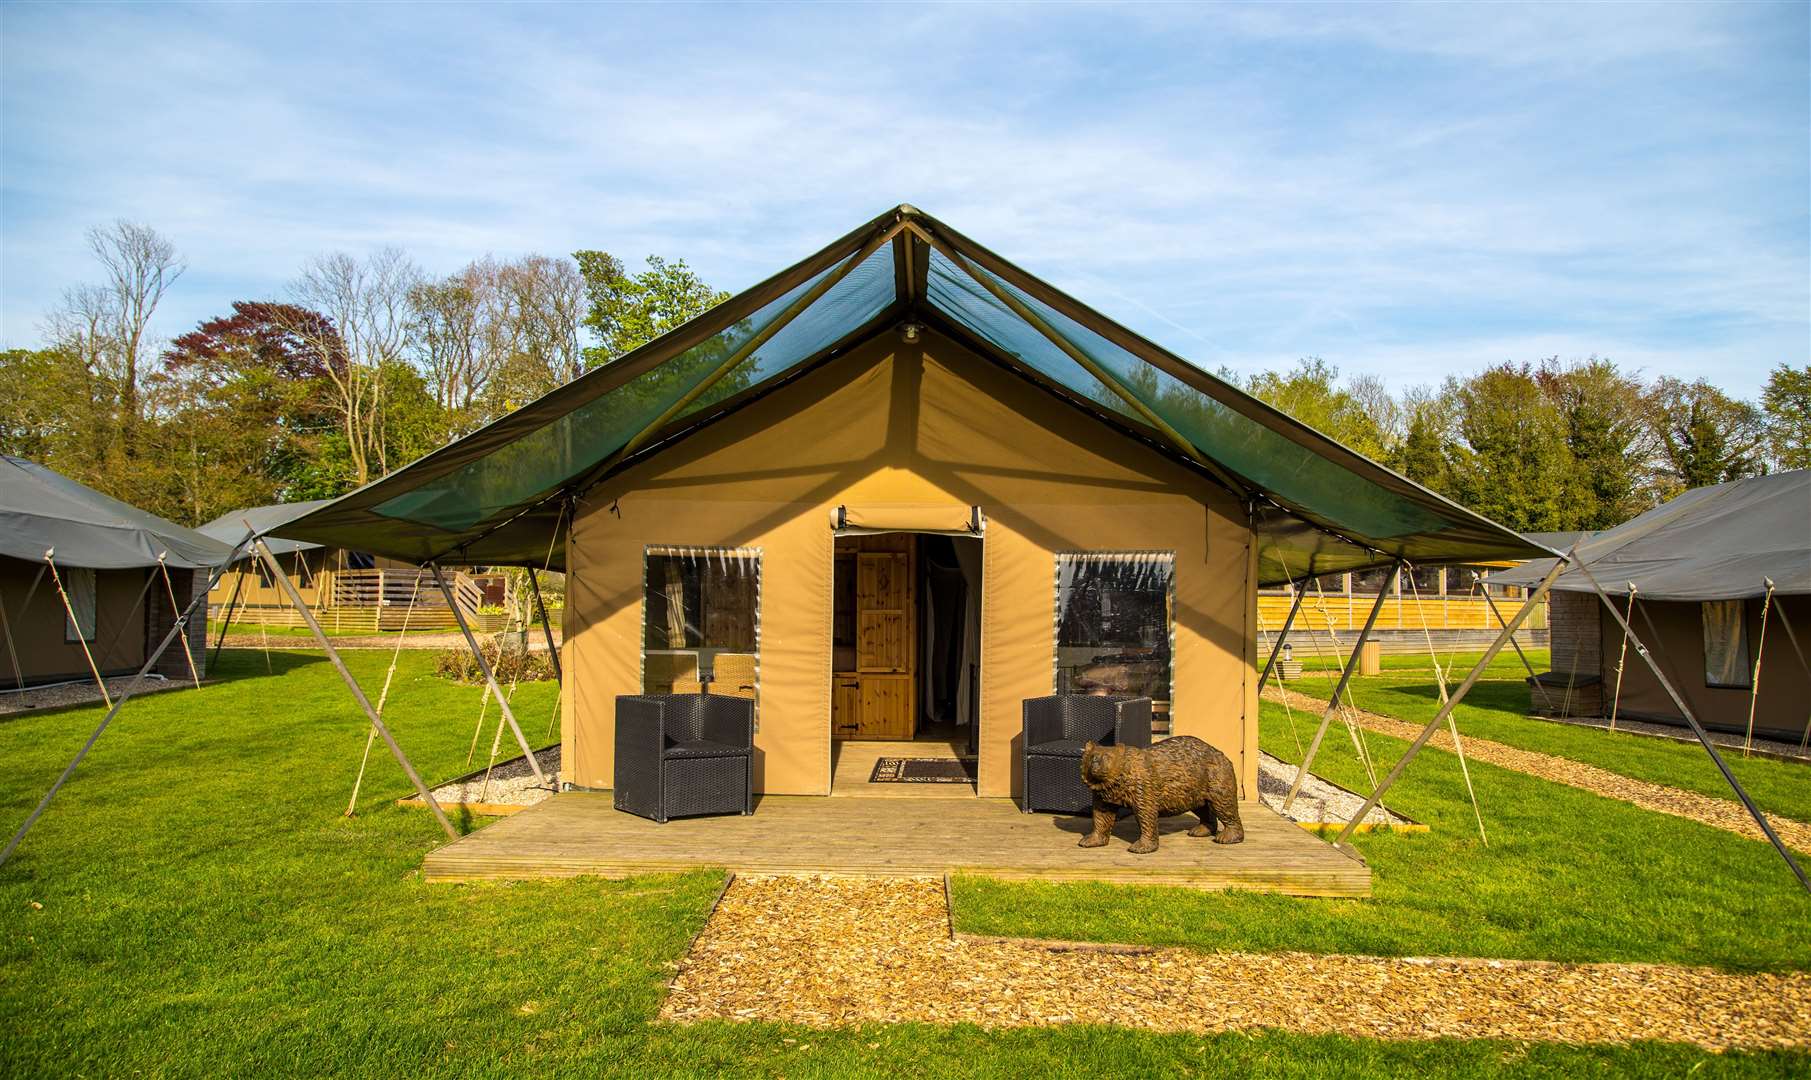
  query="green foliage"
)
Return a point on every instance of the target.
[
  {"x": 1705, "y": 436},
  {"x": 510, "y": 662},
  {"x": 1311, "y": 393},
  {"x": 628, "y": 310},
  {"x": 1511, "y": 462},
  {"x": 1787, "y": 402}
]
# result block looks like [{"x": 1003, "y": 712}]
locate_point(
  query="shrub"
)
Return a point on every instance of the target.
[{"x": 508, "y": 658}]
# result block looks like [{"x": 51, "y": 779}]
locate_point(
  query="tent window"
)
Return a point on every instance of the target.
[
  {"x": 1726, "y": 645},
  {"x": 701, "y": 620},
  {"x": 1115, "y": 624},
  {"x": 78, "y": 582}
]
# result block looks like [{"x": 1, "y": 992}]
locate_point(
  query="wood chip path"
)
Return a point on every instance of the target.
[
  {"x": 836, "y": 952},
  {"x": 1718, "y": 813}
]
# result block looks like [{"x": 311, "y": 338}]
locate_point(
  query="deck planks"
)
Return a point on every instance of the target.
[{"x": 580, "y": 833}]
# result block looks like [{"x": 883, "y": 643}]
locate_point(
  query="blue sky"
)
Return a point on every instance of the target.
[{"x": 1408, "y": 191}]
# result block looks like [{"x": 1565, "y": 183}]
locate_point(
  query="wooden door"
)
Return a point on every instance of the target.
[{"x": 876, "y": 698}]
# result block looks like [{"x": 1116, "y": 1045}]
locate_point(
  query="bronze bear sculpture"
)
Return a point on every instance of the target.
[{"x": 1177, "y": 776}]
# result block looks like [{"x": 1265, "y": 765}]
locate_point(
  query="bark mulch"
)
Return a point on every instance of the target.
[
  {"x": 1725, "y": 814},
  {"x": 836, "y": 952}
]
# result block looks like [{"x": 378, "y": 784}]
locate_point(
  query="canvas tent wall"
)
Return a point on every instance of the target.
[
  {"x": 1298, "y": 503},
  {"x": 106, "y": 553},
  {"x": 1710, "y": 551}
]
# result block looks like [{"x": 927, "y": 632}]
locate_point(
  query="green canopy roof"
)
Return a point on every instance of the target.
[{"x": 497, "y": 495}]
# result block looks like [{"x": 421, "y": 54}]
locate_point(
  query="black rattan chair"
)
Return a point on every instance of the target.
[
  {"x": 1056, "y": 728},
  {"x": 678, "y": 755}
]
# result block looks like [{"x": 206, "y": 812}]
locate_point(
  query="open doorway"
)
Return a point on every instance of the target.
[{"x": 906, "y": 663}]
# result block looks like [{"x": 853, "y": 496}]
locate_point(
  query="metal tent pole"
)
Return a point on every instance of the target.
[
  {"x": 1754, "y": 688},
  {"x": 1697, "y": 728},
  {"x": 1622, "y": 659},
  {"x": 1345, "y": 676},
  {"x": 553, "y": 651},
  {"x": 490, "y": 678},
  {"x": 233, "y": 602},
  {"x": 289, "y": 587},
  {"x": 1477, "y": 672},
  {"x": 1301, "y": 591},
  {"x": 1533, "y": 679},
  {"x": 150, "y": 662}
]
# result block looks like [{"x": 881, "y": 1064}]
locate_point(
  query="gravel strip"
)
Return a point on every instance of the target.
[
  {"x": 512, "y": 783},
  {"x": 1724, "y": 814},
  {"x": 1319, "y": 802},
  {"x": 1785, "y": 751},
  {"x": 830, "y": 952},
  {"x": 83, "y": 693}
]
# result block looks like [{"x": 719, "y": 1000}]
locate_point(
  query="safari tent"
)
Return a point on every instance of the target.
[
  {"x": 352, "y": 589},
  {"x": 1718, "y": 584},
  {"x": 902, "y": 468},
  {"x": 88, "y": 584}
]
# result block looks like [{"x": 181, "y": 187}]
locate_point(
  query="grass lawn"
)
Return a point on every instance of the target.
[
  {"x": 1498, "y": 710},
  {"x": 1505, "y": 665},
  {"x": 290, "y": 634},
  {"x": 206, "y": 911}
]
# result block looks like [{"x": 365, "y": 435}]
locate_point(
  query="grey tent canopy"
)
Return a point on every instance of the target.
[
  {"x": 1712, "y": 543},
  {"x": 230, "y": 527},
  {"x": 496, "y": 496},
  {"x": 42, "y": 510}
]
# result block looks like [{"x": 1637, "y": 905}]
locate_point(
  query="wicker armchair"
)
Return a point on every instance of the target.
[
  {"x": 1056, "y": 728},
  {"x": 678, "y": 755}
]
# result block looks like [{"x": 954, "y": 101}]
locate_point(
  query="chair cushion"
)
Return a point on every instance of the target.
[
  {"x": 1058, "y": 748},
  {"x": 702, "y": 748}
]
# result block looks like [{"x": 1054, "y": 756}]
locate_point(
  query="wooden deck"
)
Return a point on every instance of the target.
[{"x": 581, "y": 833}]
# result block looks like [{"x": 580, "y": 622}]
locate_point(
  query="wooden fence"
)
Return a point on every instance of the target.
[{"x": 366, "y": 600}]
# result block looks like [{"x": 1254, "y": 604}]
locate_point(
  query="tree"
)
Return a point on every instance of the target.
[
  {"x": 1786, "y": 399},
  {"x": 141, "y": 265},
  {"x": 247, "y": 393},
  {"x": 1601, "y": 409},
  {"x": 366, "y": 302},
  {"x": 1421, "y": 454},
  {"x": 630, "y": 310},
  {"x": 1511, "y": 463},
  {"x": 1704, "y": 436},
  {"x": 1311, "y": 393}
]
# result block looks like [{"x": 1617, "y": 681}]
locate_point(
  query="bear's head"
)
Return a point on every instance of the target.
[{"x": 1100, "y": 764}]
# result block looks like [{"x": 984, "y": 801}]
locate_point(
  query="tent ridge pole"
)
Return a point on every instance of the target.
[
  {"x": 1345, "y": 676},
  {"x": 490, "y": 678},
  {"x": 113, "y": 710},
  {"x": 1691, "y": 719},
  {"x": 1301, "y": 591},
  {"x": 1477, "y": 672},
  {"x": 267, "y": 560}
]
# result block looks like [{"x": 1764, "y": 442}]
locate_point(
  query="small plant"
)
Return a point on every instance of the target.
[{"x": 510, "y": 660}]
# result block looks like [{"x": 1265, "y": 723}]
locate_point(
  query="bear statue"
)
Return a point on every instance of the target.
[{"x": 1177, "y": 776}]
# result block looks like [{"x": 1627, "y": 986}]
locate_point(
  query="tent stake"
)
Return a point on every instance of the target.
[
  {"x": 358, "y": 693},
  {"x": 150, "y": 662},
  {"x": 1754, "y": 682},
  {"x": 1477, "y": 672},
  {"x": 1697, "y": 728},
  {"x": 1301, "y": 592},
  {"x": 490, "y": 678},
  {"x": 1345, "y": 676}
]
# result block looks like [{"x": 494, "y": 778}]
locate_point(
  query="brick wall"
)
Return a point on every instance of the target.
[
  {"x": 174, "y": 664},
  {"x": 1576, "y": 632}
]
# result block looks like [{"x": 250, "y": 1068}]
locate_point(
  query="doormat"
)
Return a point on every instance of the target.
[{"x": 893, "y": 770}]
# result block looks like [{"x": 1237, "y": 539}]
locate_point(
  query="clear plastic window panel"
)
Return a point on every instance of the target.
[
  {"x": 1115, "y": 624},
  {"x": 701, "y": 620},
  {"x": 1726, "y": 644},
  {"x": 540, "y": 461}
]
